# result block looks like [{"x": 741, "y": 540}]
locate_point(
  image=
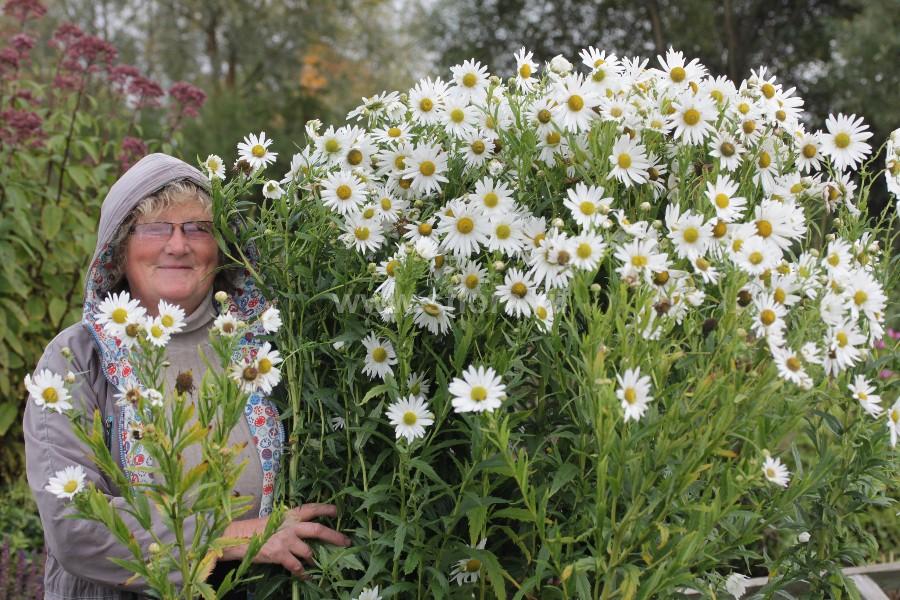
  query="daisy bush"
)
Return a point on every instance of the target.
[{"x": 605, "y": 330}]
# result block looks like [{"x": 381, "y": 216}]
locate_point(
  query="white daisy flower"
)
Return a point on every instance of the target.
[
  {"x": 154, "y": 397},
  {"x": 271, "y": 319},
  {"x": 471, "y": 276},
  {"x": 689, "y": 233},
  {"x": 369, "y": 594},
  {"x": 543, "y": 312},
  {"x": 343, "y": 193},
  {"x": 362, "y": 234},
  {"x": 723, "y": 195},
  {"x": 863, "y": 391},
  {"x": 467, "y": 570},
  {"x": 394, "y": 133},
  {"x": 775, "y": 471},
  {"x": 629, "y": 161},
  {"x": 677, "y": 74},
  {"x": 893, "y": 422},
  {"x": 380, "y": 356},
  {"x": 48, "y": 390},
  {"x": 426, "y": 99},
  {"x": 171, "y": 317},
  {"x": 156, "y": 333},
  {"x": 507, "y": 235},
  {"x": 426, "y": 166},
  {"x": 790, "y": 366},
  {"x": 728, "y": 150},
  {"x": 67, "y": 483},
  {"x": 227, "y": 325},
  {"x": 634, "y": 393},
  {"x": 272, "y": 190},
  {"x": 258, "y": 374},
  {"x": 418, "y": 385},
  {"x": 410, "y": 416},
  {"x": 430, "y": 314},
  {"x": 693, "y": 119},
  {"x": 255, "y": 150},
  {"x": 769, "y": 319},
  {"x": 480, "y": 389},
  {"x": 865, "y": 295},
  {"x": 478, "y": 148},
  {"x": 845, "y": 141},
  {"x": 517, "y": 293},
  {"x": 589, "y": 249},
  {"x": 116, "y": 311},
  {"x": 492, "y": 198},
  {"x": 754, "y": 256},
  {"x": 214, "y": 167},
  {"x": 471, "y": 79},
  {"x": 587, "y": 204},
  {"x": 736, "y": 585},
  {"x": 464, "y": 230},
  {"x": 640, "y": 259},
  {"x": 525, "y": 70},
  {"x": 575, "y": 102},
  {"x": 458, "y": 116},
  {"x": 809, "y": 152},
  {"x": 843, "y": 353},
  {"x": 388, "y": 208},
  {"x": 130, "y": 395},
  {"x": 332, "y": 145}
]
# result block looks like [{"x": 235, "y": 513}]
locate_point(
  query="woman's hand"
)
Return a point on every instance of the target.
[{"x": 286, "y": 546}]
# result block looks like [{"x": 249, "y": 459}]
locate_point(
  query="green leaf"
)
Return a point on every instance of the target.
[
  {"x": 51, "y": 220},
  {"x": 8, "y": 412},
  {"x": 57, "y": 309}
]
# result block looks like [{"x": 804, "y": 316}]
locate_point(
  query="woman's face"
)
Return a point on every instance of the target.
[{"x": 178, "y": 270}]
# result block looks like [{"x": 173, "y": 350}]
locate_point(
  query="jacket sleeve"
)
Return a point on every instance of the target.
[{"x": 81, "y": 546}]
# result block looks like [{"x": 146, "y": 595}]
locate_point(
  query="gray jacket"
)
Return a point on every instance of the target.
[{"x": 78, "y": 564}]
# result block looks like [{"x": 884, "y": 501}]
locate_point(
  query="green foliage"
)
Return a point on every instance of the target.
[
  {"x": 19, "y": 521},
  {"x": 56, "y": 172}
]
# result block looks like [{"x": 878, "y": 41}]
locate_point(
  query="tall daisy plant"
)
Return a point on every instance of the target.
[{"x": 609, "y": 328}]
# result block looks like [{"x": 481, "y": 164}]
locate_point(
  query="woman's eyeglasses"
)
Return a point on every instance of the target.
[{"x": 162, "y": 231}]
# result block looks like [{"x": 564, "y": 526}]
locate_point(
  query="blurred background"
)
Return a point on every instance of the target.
[{"x": 89, "y": 86}]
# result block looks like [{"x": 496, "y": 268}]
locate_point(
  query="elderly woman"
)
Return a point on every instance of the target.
[{"x": 155, "y": 241}]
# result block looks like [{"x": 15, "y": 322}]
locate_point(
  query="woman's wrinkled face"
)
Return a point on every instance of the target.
[{"x": 179, "y": 269}]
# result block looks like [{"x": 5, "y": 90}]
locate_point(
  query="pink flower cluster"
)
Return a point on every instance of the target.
[{"x": 191, "y": 98}]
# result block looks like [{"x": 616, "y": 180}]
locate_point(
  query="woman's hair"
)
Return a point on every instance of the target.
[{"x": 176, "y": 193}]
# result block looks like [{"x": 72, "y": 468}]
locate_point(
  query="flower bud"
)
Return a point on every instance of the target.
[
  {"x": 70, "y": 377},
  {"x": 494, "y": 80},
  {"x": 221, "y": 297},
  {"x": 499, "y": 266},
  {"x": 740, "y": 332},
  {"x": 558, "y": 223},
  {"x": 66, "y": 352},
  {"x": 371, "y": 267},
  {"x": 803, "y": 537},
  {"x": 645, "y": 206},
  {"x": 657, "y": 225},
  {"x": 596, "y": 288},
  {"x": 338, "y": 344},
  {"x": 154, "y": 548},
  {"x": 559, "y": 65}
]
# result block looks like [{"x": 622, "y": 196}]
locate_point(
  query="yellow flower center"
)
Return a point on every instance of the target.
[
  {"x": 809, "y": 150},
  {"x": 491, "y": 199},
  {"x": 842, "y": 339},
  {"x": 503, "y": 231},
  {"x": 50, "y": 395},
  {"x": 132, "y": 330},
  {"x": 690, "y": 235},
  {"x": 361, "y": 233},
  {"x": 399, "y": 162},
  {"x": 756, "y": 257},
  {"x": 630, "y": 395},
  {"x": 471, "y": 281},
  {"x": 431, "y": 308},
  {"x": 424, "y": 229},
  {"x": 677, "y": 74},
  {"x": 639, "y": 261},
  {"x": 457, "y": 115},
  {"x": 768, "y": 90},
  {"x": 780, "y": 115},
  {"x": 410, "y": 418},
  {"x": 598, "y": 75},
  {"x": 264, "y": 365},
  {"x": 250, "y": 373},
  {"x": 70, "y": 486},
  {"x": 354, "y": 157},
  {"x": 538, "y": 239},
  {"x": 587, "y": 208},
  {"x": 702, "y": 264},
  {"x": 691, "y": 116},
  {"x": 553, "y": 138},
  {"x": 331, "y": 146},
  {"x": 473, "y": 565},
  {"x": 541, "y": 313},
  {"x": 860, "y": 297},
  {"x": 780, "y": 295},
  {"x": 842, "y": 140},
  {"x": 584, "y": 250},
  {"x": 168, "y": 320},
  {"x": 748, "y": 126},
  {"x": 624, "y": 160},
  {"x": 425, "y": 105},
  {"x": 368, "y": 213},
  {"x": 156, "y": 331},
  {"x": 477, "y": 147},
  {"x": 379, "y": 354},
  {"x": 764, "y": 160},
  {"x": 519, "y": 289},
  {"x": 722, "y": 200},
  {"x": 743, "y": 108},
  {"x": 394, "y": 132},
  {"x": 119, "y": 315},
  {"x": 258, "y": 151},
  {"x": 386, "y": 204},
  {"x": 390, "y": 267},
  {"x": 833, "y": 259},
  {"x": 717, "y": 95},
  {"x": 767, "y": 316},
  {"x": 727, "y": 149},
  {"x": 525, "y": 71},
  {"x": 862, "y": 396},
  {"x": 343, "y": 191},
  {"x": 465, "y": 225},
  {"x": 793, "y": 363},
  {"x": 544, "y": 116},
  {"x": 469, "y": 80},
  {"x": 575, "y": 102},
  {"x": 616, "y": 111},
  {"x": 770, "y": 473},
  {"x": 427, "y": 168},
  {"x": 478, "y": 394},
  {"x": 763, "y": 228}
]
